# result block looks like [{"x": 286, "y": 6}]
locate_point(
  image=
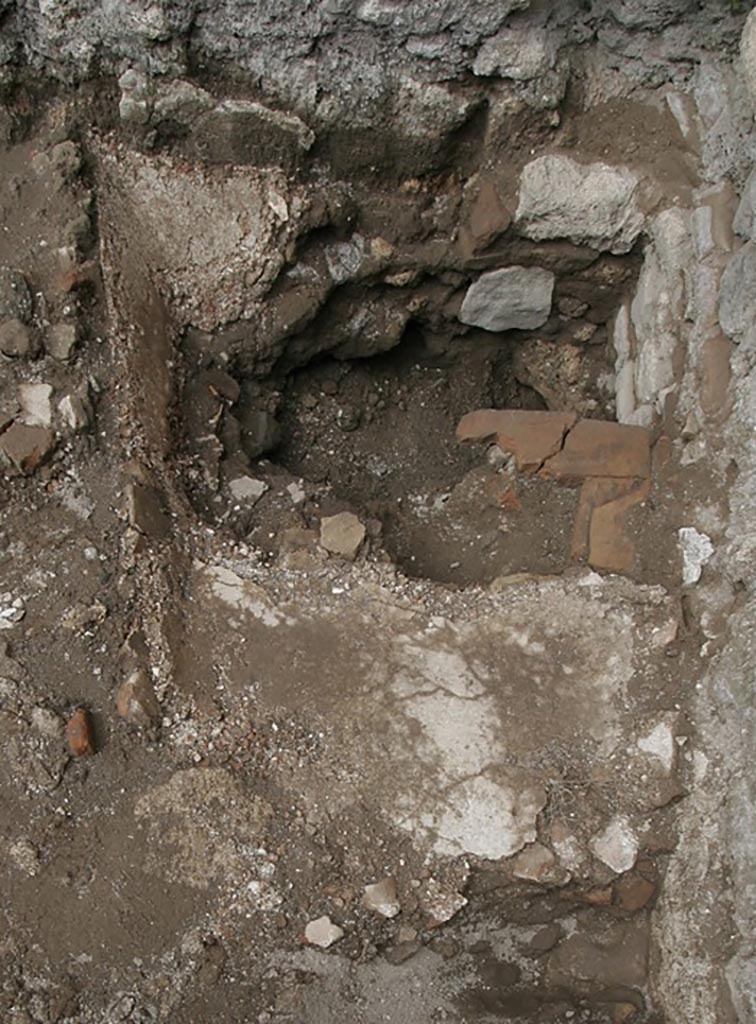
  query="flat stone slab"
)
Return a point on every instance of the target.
[{"x": 513, "y": 298}]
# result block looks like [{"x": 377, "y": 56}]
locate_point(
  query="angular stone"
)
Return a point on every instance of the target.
[
  {"x": 26, "y": 446},
  {"x": 601, "y": 448},
  {"x": 247, "y": 489},
  {"x": 660, "y": 744},
  {"x": 616, "y": 846},
  {"x": 17, "y": 340},
  {"x": 381, "y": 897},
  {"x": 512, "y": 298},
  {"x": 697, "y": 549},
  {"x": 531, "y": 436},
  {"x": 61, "y": 340},
  {"x": 136, "y": 701},
  {"x": 342, "y": 535},
  {"x": 323, "y": 932},
  {"x": 487, "y": 218},
  {"x": 520, "y": 55},
  {"x": 145, "y": 510},
  {"x": 439, "y": 903},
  {"x": 36, "y": 408},
  {"x": 634, "y": 892},
  {"x": 80, "y": 733},
  {"x": 590, "y": 204},
  {"x": 536, "y": 863},
  {"x": 737, "y": 296},
  {"x": 76, "y": 411}
]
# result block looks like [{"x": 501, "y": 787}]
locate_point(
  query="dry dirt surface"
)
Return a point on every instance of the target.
[{"x": 327, "y": 694}]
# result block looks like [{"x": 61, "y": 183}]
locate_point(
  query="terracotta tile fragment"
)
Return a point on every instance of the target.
[
  {"x": 596, "y": 491},
  {"x": 80, "y": 733},
  {"x": 601, "y": 448},
  {"x": 610, "y": 543},
  {"x": 531, "y": 436}
]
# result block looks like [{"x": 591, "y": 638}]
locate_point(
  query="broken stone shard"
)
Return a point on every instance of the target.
[
  {"x": 616, "y": 846},
  {"x": 590, "y": 204},
  {"x": 145, "y": 510},
  {"x": 12, "y": 611},
  {"x": 697, "y": 549},
  {"x": 136, "y": 701},
  {"x": 381, "y": 897},
  {"x": 323, "y": 932},
  {"x": 512, "y": 298},
  {"x": 440, "y": 904},
  {"x": 247, "y": 489},
  {"x": 342, "y": 535},
  {"x": 36, "y": 407},
  {"x": 536, "y": 863}
]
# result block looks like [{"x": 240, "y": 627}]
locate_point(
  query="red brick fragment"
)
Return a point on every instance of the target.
[{"x": 80, "y": 733}]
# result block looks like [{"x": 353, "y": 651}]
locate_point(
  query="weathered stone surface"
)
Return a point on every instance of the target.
[
  {"x": 591, "y": 204},
  {"x": 737, "y": 300},
  {"x": 748, "y": 57},
  {"x": 531, "y": 436},
  {"x": 16, "y": 340},
  {"x": 36, "y": 407},
  {"x": 323, "y": 932},
  {"x": 247, "y": 489},
  {"x": 146, "y": 511},
  {"x": 136, "y": 701},
  {"x": 696, "y": 549},
  {"x": 26, "y": 446},
  {"x": 61, "y": 341},
  {"x": 658, "y": 306},
  {"x": 743, "y": 222},
  {"x": 600, "y": 448},
  {"x": 342, "y": 535},
  {"x": 618, "y": 956},
  {"x": 15, "y": 296},
  {"x": 513, "y": 298},
  {"x": 516, "y": 54}
]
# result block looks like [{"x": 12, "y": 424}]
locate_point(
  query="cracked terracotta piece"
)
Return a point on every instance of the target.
[
  {"x": 601, "y": 448},
  {"x": 530, "y": 435}
]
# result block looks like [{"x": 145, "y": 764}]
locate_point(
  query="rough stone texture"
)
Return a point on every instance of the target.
[
  {"x": 591, "y": 204},
  {"x": 26, "y": 446},
  {"x": 737, "y": 302},
  {"x": 508, "y": 299},
  {"x": 342, "y": 535},
  {"x": 511, "y": 54}
]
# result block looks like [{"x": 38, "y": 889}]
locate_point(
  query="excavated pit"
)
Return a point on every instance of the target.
[{"x": 372, "y": 477}]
